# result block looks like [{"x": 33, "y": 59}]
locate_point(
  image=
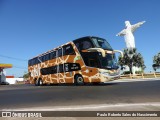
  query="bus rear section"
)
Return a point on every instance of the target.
[{"x": 85, "y": 60}]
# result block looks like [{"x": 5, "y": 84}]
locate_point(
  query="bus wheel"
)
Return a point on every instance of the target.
[
  {"x": 79, "y": 80},
  {"x": 36, "y": 82},
  {"x": 40, "y": 82}
]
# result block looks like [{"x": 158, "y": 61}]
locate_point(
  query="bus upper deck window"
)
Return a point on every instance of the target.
[
  {"x": 60, "y": 52},
  {"x": 78, "y": 46},
  {"x": 86, "y": 45},
  {"x": 68, "y": 50}
]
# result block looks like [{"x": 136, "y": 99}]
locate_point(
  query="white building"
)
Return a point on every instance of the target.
[
  {"x": 9, "y": 79},
  {"x": 14, "y": 80},
  {"x": 134, "y": 69}
]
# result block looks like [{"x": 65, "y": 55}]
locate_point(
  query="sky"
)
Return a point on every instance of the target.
[{"x": 31, "y": 27}]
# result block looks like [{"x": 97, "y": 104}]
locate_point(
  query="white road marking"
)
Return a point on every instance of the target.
[{"x": 89, "y": 107}]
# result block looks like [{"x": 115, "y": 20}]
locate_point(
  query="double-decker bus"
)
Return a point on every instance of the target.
[{"x": 84, "y": 60}]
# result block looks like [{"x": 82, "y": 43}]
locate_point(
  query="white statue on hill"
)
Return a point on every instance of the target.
[{"x": 128, "y": 33}]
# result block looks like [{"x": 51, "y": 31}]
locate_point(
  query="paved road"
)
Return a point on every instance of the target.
[{"x": 30, "y": 96}]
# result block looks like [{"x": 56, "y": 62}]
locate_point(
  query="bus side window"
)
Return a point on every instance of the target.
[
  {"x": 34, "y": 61},
  {"x": 91, "y": 59},
  {"x": 60, "y": 52},
  {"x": 37, "y": 60},
  {"x": 53, "y": 69},
  {"x": 50, "y": 55},
  {"x": 53, "y": 55},
  {"x": 40, "y": 58},
  {"x": 60, "y": 68},
  {"x": 43, "y": 58},
  {"x": 86, "y": 45},
  {"x": 47, "y": 57},
  {"x": 78, "y": 46},
  {"x": 83, "y": 43},
  {"x": 93, "y": 63},
  {"x": 68, "y": 50},
  {"x": 44, "y": 71},
  {"x": 29, "y": 62}
]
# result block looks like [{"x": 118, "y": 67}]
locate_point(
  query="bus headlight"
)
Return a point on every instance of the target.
[{"x": 104, "y": 73}]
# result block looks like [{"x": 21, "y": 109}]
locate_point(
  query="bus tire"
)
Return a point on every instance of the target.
[
  {"x": 78, "y": 80},
  {"x": 36, "y": 82},
  {"x": 40, "y": 82}
]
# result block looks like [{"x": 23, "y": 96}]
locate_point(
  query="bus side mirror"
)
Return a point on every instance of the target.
[
  {"x": 99, "y": 50},
  {"x": 121, "y": 53}
]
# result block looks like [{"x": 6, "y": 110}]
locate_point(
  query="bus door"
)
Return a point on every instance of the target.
[
  {"x": 92, "y": 62},
  {"x": 60, "y": 66}
]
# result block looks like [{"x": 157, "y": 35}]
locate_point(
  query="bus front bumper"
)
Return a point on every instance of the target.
[{"x": 105, "y": 77}]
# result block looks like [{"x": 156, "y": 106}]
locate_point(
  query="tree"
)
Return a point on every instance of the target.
[
  {"x": 131, "y": 58},
  {"x": 26, "y": 75},
  {"x": 156, "y": 61}
]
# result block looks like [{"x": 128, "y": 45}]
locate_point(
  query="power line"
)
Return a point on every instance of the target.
[
  {"x": 19, "y": 59},
  {"x": 19, "y": 67}
]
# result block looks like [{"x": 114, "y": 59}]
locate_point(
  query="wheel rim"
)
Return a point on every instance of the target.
[
  {"x": 40, "y": 82},
  {"x": 36, "y": 82},
  {"x": 80, "y": 80}
]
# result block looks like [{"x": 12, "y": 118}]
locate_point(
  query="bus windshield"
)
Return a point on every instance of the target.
[
  {"x": 109, "y": 62},
  {"x": 101, "y": 43},
  {"x": 95, "y": 59}
]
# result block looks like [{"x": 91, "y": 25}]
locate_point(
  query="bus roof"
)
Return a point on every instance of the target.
[
  {"x": 63, "y": 45},
  {"x": 47, "y": 52},
  {"x": 87, "y": 37}
]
